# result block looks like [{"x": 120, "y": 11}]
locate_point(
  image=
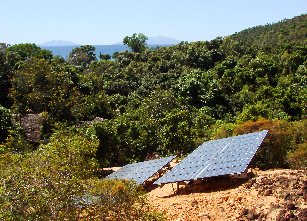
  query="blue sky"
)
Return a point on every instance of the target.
[{"x": 99, "y": 22}]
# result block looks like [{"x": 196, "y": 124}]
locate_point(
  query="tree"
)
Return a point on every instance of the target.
[
  {"x": 115, "y": 54},
  {"x": 4, "y": 46},
  {"x": 6, "y": 73},
  {"x": 5, "y": 123},
  {"x": 31, "y": 86},
  {"x": 137, "y": 43},
  {"x": 27, "y": 51},
  {"x": 104, "y": 56},
  {"x": 82, "y": 56},
  {"x": 11, "y": 59}
]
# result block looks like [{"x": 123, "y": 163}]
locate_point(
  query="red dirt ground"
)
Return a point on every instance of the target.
[{"x": 269, "y": 195}]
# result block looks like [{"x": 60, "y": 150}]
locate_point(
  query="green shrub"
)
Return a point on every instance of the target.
[
  {"x": 273, "y": 150},
  {"x": 16, "y": 141},
  {"x": 5, "y": 123},
  {"x": 47, "y": 184},
  {"x": 56, "y": 182},
  {"x": 222, "y": 130},
  {"x": 298, "y": 158},
  {"x": 47, "y": 125},
  {"x": 119, "y": 200}
]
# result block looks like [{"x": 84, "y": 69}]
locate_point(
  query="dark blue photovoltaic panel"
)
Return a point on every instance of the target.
[
  {"x": 218, "y": 157},
  {"x": 142, "y": 171}
]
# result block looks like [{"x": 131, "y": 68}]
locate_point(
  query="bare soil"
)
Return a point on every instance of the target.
[{"x": 268, "y": 195}]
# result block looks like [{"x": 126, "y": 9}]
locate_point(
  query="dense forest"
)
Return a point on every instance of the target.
[{"x": 165, "y": 100}]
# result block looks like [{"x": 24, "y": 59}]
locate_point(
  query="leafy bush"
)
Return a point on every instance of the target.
[
  {"x": 222, "y": 130},
  {"x": 56, "y": 182},
  {"x": 298, "y": 158},
  {"x": 5, "y": 123},
  {"x": 272, "y": 152},
  {"x": 16, "y": 141},
  {"x": 119, "y": 200},
  {"x": 47, "y": 183},
  {"x": 47, "y": 125}
]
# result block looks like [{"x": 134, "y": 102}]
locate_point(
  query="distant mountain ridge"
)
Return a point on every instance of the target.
[
  {"x": 58, "y": 43},
  {"x": 160, "y": 40}
]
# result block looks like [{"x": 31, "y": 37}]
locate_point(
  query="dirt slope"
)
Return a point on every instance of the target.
[{"x": 269, "y": 195}]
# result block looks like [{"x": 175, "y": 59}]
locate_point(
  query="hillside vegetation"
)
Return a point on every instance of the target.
[{"x": 167, "y": 100}]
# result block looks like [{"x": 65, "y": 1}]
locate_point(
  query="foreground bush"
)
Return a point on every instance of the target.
[
  {"x": 47, "y": 183},
  {"x": 118, "y": 200},
  {"x": 283, "y": 147},
  {"x": 272, "y": 152},
  {"x": 298, "y": 158},
  {"x": 5, "y": 123},
  {"x": 53, "y": 183}
]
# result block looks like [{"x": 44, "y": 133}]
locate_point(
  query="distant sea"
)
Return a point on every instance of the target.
[{"x": 64, "y": 51}]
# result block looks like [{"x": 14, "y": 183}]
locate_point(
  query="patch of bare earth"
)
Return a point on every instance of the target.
[{"x": 269, "y": 195}]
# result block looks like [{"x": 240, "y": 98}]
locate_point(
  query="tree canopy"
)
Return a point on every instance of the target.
[
  {"x": 165, "y": 99},
  {"x": 137, "y": 43},
  {"x": 82, "y": 56}
]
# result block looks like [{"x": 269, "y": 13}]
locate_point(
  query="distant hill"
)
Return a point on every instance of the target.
[
  {"x": 160, "y": 40},
  {"x": 58, "y": 43}
]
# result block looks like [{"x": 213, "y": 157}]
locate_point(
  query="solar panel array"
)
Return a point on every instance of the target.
[
  {"x": 142, "y": 171},
  {"x": 218, "y": 157}
]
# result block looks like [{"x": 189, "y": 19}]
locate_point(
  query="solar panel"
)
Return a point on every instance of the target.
[
  {"x": 218, "y": 157},
  {"x": 142, "y": 171}
]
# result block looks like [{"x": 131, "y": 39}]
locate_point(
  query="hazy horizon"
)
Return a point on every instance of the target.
[{"x": 151, "y": 41}]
